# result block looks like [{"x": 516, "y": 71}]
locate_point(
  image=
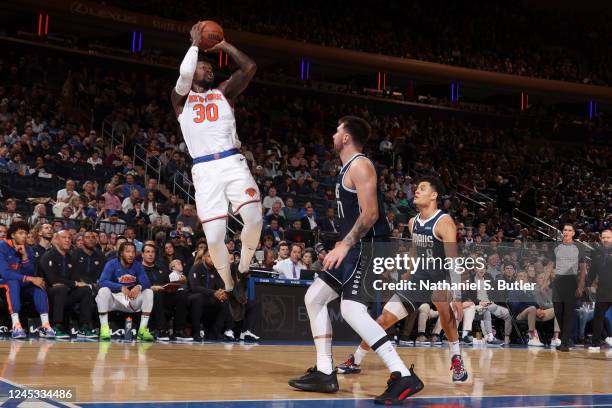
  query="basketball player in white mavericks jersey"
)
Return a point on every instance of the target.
[{"x": 220, "y": 173}]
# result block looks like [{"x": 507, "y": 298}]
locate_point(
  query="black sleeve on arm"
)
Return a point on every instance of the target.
[
  {"x": 49, "y": 266},
  {"x": 194, "y": 281}
]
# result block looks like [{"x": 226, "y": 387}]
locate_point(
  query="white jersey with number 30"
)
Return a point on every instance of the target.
[{"x": 208, "y": 123}]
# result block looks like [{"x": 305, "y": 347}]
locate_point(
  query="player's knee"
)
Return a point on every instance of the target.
[
  {"x": 104, "y": 294},
  {"x": 147, "y": 294},
  {"x": 352, "y": 311}
]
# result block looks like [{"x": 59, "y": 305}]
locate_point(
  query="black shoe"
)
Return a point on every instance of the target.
[
  {"x": 162, "y": 335},
  {"x": 563, "y": 347},
  {"x": 316, "y": 381},
  {"x": 399, "y": 388},
  {"x": 181, "y": 336}
]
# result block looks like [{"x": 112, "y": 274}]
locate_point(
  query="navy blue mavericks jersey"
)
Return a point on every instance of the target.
[
  {"x": 429, "y": 248},
  {"x": 348, "y": 207}
]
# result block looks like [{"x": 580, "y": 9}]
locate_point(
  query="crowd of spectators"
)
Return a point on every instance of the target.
[
  {"x": 286, "y": 141},
  {"x": 492, "y": 36}
]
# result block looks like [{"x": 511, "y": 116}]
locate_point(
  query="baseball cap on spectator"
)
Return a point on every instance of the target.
[
  {"x": 258, "y": 167},
  {"x": 92, "y": 132},
  {"x": 111, "y": 213},
  {"x": 319, "y": 247},
  {"x": 174, "y": 234}
]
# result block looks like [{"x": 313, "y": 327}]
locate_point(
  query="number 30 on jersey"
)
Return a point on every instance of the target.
[{"x": 209, "y": 112}]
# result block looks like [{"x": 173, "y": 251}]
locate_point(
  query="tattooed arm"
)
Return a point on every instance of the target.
[{"x": 362, "y": 177}]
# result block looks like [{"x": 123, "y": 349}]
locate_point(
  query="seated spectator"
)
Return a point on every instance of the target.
[
  {"x": 20, "y": 279},
  {"x": 137, "y": 216},
  {"x": 124, "y": 286},
  {"x": 39, "y": 215},
  {"x": 65, "y": 288},
  {"x": 486, "y": 307},
  {"x": 321, "y": 253},
  {"x": 270, "y": 199},
  {"x": 204, "y": 280},
  {"x": 188, "y": 217},
  {"x": 308, "y": 258},
  {"x": 111, "y": 200},
  {"x": 89, "y": 261},
  {"x": 545, "y": 310},
  {"x": 523, "y": 305},
  {"x": 309, "y": 219},
  {"x": 89, "y": 191},
  {"x": 330, "y": 223},
  {"x": 290, "y": 268},
  {"x": 274, "y": 230},
  {"x": 77, "y": 207},
  {"x": 9, "y": 214},
  {"x": 94, "y": 160},
  {"x": 507, "y": 273},
  {"x": 276, "y": 212},
  {"x": 129, "y": 201},
  {"x": 64, "y": 195},
  {"x": 283, "y": 251},
  {"x": 426, "y": 312},
  {"x": 291, "y": 213},
  {"x": 130, "y": 236},
  {"x": 130, "y": 185},
  {"x": 167, "y": 299}
]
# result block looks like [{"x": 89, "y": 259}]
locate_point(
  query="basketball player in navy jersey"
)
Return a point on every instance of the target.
[
  {"x": 433, "y": 237},
  {"x": 362, "y": 223}
]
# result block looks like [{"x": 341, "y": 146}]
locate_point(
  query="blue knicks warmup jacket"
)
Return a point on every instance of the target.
[
  {"x": 115, "y": 276},
  {"x": 11, "y": 267}
]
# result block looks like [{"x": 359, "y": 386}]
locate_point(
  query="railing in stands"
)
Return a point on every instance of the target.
[
  {"x": 148, "y": 163},
  {"x": 541, "y": 227},
  {"x": 108, "y": 133}
]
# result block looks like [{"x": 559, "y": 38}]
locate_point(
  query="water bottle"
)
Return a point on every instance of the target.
[{"x": 128, "y": 329}]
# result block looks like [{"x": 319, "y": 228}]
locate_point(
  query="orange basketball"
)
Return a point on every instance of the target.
[{"x": 212, "y": 34}]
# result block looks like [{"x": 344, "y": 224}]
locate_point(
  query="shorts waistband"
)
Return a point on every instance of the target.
[{"x": 215, "y": 156}]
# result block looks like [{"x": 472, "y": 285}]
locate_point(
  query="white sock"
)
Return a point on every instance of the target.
[
  {"x": 44, "y": 319},
  {"x": 464, "y": 333},
  {"x": 391, "y": 359},
  {"x": 15, "y": 319},
  {"x": 144, "y": 321},
  {"x": 454, "y": 347},
  {"x": 360, "y": 355},
  {"x": 324, "y": 355},
  {"x": 104, "y": 319}
]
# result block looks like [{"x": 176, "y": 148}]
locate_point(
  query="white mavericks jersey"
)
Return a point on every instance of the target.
[{"x": 208, "y": 123}]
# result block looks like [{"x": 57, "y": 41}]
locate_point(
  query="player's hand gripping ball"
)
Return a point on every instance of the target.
[{"x": 211, "y": 34}]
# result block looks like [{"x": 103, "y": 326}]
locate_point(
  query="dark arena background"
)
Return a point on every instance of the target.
[{"x": 507, "y": 103}]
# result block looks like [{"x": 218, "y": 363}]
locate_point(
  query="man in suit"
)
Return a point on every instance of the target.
[
  {"x": 329, "y": 223},
  {"x": 308, "y": 221}
]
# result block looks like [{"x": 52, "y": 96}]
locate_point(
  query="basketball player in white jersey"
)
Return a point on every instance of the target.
[{"x": 220, "y": 173}]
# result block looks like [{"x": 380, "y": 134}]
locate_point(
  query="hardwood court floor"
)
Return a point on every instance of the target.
[{"x": 120, "y": 372}]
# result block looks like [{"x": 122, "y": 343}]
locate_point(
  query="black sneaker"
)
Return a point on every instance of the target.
[
  {"x": 162, "y": 335},
  {"x": 349, "y": 366},
  {"x": 459, "y": 371},
  {"x": 399, "y": 388},
  {"x": 316, "y": 381},
  {"x": 181, "y": 336},
  {"x": 467, "y": 340},
  {"x": 237, "y": 297},
  {"x": 563, "y": 347}
]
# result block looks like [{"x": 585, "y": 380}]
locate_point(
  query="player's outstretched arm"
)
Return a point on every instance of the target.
[
  {"x": 187, "y": 70},
  {"x": 241, "y": 78}
]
